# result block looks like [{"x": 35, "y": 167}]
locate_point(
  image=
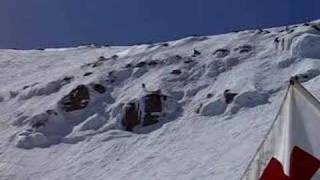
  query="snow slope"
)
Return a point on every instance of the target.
[{"x": 200, "y": 137}]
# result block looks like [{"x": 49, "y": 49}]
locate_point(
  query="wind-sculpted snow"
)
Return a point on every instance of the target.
[
  {"x": 195, "y": 108},
  {"x": 307, "y": 46}
]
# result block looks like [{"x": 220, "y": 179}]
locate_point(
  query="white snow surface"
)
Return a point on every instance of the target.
[{"x": 204, "y": 138}]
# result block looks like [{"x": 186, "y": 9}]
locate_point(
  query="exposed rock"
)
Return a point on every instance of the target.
[
  {"x": 176, "y": 72},
  {"x": 39, "y": 120},
  {"x": 196, "y": 53},
  {"x": 188, "y": 61},
  {"x": 165, "y": 44},
  {"x": 32, "y": 85},
  {"x": 144, "y": 112},
  {"x": 141, "y": 64},
  {"x": 110, "y": 80},
  {"x": 68, "y": 79},
  {"x": 229, "y": 96},
  {"x": 209, "y": 95},
  {"x": 199, "y": 108},
  {"x": 86, "y": 65},
  {"x": 88, "y": 73},
  {"x": 259, "y": 31},
  {"x": 266, "y": 32},
  {"x": 315, "y": 27},
  {"x": 26, "y": 87},
  {"x": 131, "y": 116},
  {"x": 99, "y": 88},
  {"x": 290, "y": 31},
  {"x": 39, "y": 123},
  {"x": 97, "y": 64},
  {"x": 244, "y": 49},
  {"x": 102, "y": 58},
  {"x": 77, "y": 99},
  {"x": 308, "y": 75},
  {"x": 178, "y": 57},
  {"x": 152, "y": 103},
  {"x": 306, "y": 24},
  {"x": 153, "y": 63},
  {"x": 150, "y": 119},
  {"x": 276, "y": 40},
  {"x": 220, "y": 53},
  {"x": 114, "y": 57},
  {"x": 128, "y": 66},
  {"x": 52, "y": 112}
]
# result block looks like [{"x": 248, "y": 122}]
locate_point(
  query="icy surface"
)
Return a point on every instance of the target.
[{"x": 61, "y": 109}]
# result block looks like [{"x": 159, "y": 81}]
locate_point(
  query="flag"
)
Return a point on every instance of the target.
[{"x": 291, "y": 148}]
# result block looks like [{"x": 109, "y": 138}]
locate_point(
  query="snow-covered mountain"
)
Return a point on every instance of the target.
[{"x": 191, "y": 109}]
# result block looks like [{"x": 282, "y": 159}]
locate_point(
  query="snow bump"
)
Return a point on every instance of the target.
[{"x": 307, "y": 46}]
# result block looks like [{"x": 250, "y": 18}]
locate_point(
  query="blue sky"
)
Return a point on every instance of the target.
[{"x": 58, "y": 23}]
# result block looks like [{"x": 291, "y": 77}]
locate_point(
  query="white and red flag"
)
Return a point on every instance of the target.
[{"x": 291, "y": 149}]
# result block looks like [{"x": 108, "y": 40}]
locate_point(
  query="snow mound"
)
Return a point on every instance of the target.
[
  {"x": 214, "y": 108},
  {"x": 307, "y": 46}
]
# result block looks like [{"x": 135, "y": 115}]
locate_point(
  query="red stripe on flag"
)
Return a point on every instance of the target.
[
  {"x": 302, "y": 167},
  {"x": 274, "y": 171}
]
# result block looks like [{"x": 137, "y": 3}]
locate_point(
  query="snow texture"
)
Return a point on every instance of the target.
[{"x": 61, "y": 109}]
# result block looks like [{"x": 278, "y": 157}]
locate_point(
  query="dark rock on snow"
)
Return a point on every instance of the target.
[
  {"x": 87, "y": 74},
  {"x": 99, "y": 88},
  {"x": 77, "y": 99},
  {"x": 196, "y": 53},
  {"x": 176, "y": 72},
  {"x": 145, "y": 112},
  {"x": 152, "y": 63},
  {"x": 229, "y": 96},
  {"x": 131, "y": 116},
  {"x": 220, "y": 53},
  {"x": 141, "y": 64}
]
